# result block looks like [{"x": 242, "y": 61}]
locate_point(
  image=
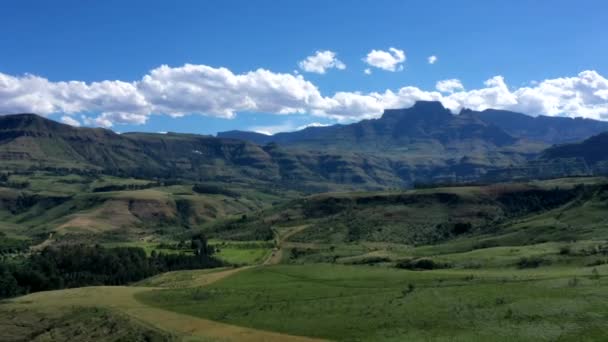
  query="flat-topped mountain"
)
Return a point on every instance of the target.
[
  {"x": 426, "y": 122},
  {"x": 429, "y": 120}
]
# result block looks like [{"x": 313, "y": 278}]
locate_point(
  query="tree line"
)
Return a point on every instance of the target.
[{"x": 81, "y": 265}]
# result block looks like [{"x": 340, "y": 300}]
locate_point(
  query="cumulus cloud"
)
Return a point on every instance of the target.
[
  {"x": 391, "y": 60},
  {"x": 367, "y": 71},
  {"x": 201, "y": 89},
  {"x": 273, "y": 129},
  {"x": 321, "y": 61},
  {"x": 68, "y": 120},
  {"x": 284, "y": 127},
  {"x": 312, "y": 124},
  {"x": 449, "y": 86},
  {"x": 432, "y": 59}
]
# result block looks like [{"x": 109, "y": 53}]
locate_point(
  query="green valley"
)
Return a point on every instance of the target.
[{"x": 178, "y": 237}]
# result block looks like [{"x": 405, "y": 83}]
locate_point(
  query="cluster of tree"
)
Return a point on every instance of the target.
[
  {"x": 6, "y": 182},
  {"x": 164, "y": 178},
  {"x": 529, "y": 201},
  {"x": 446, "y": 184},
  {"x": 122, "y": 187},
  {"x": 243, "y": 229},
  {"x": 74, "y": 266},
  {"x": 10, "y": 245},
  {"x": 212, "y": 189},
  {"x": 421, "y": 264},
  {"x": 64, "y": 171},
  {"x": 532, "y": 262}
]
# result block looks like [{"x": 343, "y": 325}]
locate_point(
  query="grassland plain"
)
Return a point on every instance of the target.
[
  {"x": 362, "y": 303},
  {"x": 121, "y": 300}
]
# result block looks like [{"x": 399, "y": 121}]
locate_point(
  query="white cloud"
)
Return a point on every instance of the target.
[
  {"x": 273, "y": 129},
  {"x": 432, "y": 59},
  {"x": 367, "y": 71},
  {"x": 68, "y": 120},
  {"x": 391, "y": 60},
  {"x": 321, "y": 61},
  {"x": 449, "y": 86},
  {"x": 100, "y": 121},
  {"x": 205, "y": 90},
  {"x": 284, "y": 127},
  {"x": 312, "y": 124},
  {"x": 219, "y": 92}
]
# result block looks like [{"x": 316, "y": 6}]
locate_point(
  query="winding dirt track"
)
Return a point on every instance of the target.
[{"x": 188, "y": 328}]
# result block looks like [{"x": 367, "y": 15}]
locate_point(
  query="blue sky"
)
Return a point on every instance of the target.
[{"x": 525, "y": 42}]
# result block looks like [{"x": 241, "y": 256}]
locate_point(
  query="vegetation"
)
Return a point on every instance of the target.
[
  {"x": 213, "y": 190},
  {"x": 366, "y": 155},
  {"x": 458, "y": 257},
  {"x": 79, "y": 324},
  {"x": 80, "y": 265},
  {"x": 394, "y": 305}
]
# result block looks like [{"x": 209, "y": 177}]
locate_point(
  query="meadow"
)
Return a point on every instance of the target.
[{"x": 363, "y": 303}]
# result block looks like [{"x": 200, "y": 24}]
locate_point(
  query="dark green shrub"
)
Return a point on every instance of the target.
[
  {"x": 213, "y": 190},
  {"x": 421, "y": 264},
  {"x": 461, "y": 228},
  {"x": 369, "y": 260},
  {"x": 532, "y": 262}
]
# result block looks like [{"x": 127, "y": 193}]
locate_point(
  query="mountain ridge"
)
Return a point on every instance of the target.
[
  {"x": 424, "y": 143},
  {"x": 542, "y": 129}
]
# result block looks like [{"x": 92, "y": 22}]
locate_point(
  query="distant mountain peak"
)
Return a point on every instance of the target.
[
  {"x": 420, "y": 107},
  {"x": 428, "y": 105},
  {"x": 28, "y": 121}
]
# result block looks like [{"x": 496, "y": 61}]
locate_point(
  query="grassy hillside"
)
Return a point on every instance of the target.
[
  {"x": 46, "y": 206},
  {"x": 591, "y": 154},
  {"x": 391, "y": 226},
  {"x": 425, "y": 143},
  {"x": 359, "y": 303},
  {"x": 81, "y": 324}
]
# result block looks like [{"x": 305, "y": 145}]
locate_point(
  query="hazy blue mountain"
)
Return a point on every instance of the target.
[
  {"x": 548, "y": 129},
  {"x": 430, "y": 121}
]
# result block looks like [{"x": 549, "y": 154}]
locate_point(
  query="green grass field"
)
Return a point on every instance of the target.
[
  {"x": 241, "y": 252},
  {"x": 358, "y": 303}
]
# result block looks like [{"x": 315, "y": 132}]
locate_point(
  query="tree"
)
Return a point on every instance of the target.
[
  {"x": 8, "y": 284},
  {"x": 199, "y": 245}
]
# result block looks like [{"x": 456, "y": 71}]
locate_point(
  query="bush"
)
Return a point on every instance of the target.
[
  {"x": 213, "y": 190},
  {"x": 461, "y": 228},
  {"x": 532, "y": 262},
  {"x": 597, "y": 262},
  {"x": 368, "y": 260},
  {"x": 421, "y": 264}
]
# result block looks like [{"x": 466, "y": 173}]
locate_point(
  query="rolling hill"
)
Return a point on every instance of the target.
[
  {"x": 592, "y": 153},
  {"x": 439, "y": 215},
  {"x": 421, "y": 144}
]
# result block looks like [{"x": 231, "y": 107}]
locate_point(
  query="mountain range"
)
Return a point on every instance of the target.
[
  {"x": 430, "y": 120},
  {"x": 425, "y": 143}
]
